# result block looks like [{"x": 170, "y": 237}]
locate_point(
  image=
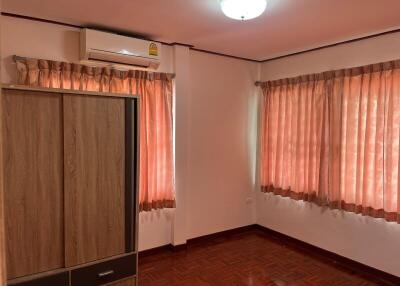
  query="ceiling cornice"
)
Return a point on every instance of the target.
[{"x": 192, "y": 47}]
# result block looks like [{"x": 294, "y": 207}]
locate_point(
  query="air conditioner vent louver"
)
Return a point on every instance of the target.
[{"x": 115, "y": 49}]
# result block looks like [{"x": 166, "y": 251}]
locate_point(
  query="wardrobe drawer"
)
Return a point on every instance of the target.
[
  {"x": 104, "y": 272},
  {"x": 59, "y": 279}
]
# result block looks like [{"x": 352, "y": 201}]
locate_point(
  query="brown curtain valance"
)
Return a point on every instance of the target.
[
  {"x": 379, "y": 67},
  {"x": 56, "y": 74}
]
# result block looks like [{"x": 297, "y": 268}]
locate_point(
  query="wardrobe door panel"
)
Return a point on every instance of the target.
[
  {"x": 57, "y": 279},
  {"x": 32, "y": 134},
  {"x": 94, "y": 177}
]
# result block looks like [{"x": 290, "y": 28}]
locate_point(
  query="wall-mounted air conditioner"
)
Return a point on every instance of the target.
[{"x": 118, "y": 50}]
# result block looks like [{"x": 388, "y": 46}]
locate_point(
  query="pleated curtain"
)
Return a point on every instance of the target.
[
  {"x": 156, "y": 129},
  {"x": 294, "y": 137},
  {"x": 333, "y": 139}
]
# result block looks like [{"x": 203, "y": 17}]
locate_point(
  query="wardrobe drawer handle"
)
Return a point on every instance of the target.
[{"x": 106, "y": 273}]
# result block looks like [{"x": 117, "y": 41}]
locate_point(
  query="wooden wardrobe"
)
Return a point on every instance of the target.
[{"x": 70, "y": 187}]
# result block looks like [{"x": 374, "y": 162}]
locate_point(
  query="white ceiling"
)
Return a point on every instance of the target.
[{"x": 287, "y": 26}]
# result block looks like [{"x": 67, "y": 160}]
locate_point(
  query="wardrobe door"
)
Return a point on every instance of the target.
[
  {"x": 94, "y": 177},
  {"x": 33, "y": 181}
]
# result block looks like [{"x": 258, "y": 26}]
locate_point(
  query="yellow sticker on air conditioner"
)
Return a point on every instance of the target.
[{"x": 153, "y": 49}]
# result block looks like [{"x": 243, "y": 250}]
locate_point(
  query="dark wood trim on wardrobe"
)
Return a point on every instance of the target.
[
  {"x": 378, "y": 276},
  {"x": 130, "y": 178}
]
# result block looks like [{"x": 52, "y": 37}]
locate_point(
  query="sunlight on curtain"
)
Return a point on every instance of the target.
[
  {"x": 333, "y": 138},
  {"x": 294, "y": 148}
]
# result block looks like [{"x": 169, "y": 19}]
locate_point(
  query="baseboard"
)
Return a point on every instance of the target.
[
  {"x": 154, "y": 251},
  {"x": 197, "y": 240},
  {"x": 220, "y": 235},
  {"x": 376, "y": 275},
  {"x": 179, "y": 247},
  {"x": 161, "y": 249}
]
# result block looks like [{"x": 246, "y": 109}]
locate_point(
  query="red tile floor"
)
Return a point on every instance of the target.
[{"x": 249, "y": 259}]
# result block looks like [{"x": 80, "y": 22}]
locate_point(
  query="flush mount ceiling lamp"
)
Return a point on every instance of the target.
[{"x": 243, "y": 9}]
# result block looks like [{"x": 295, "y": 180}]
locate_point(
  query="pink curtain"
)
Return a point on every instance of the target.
[
  {"x": 294, "y": 147},
  {"x": 156, "y": 130},
  {"x": 333, "y": 139},
  {"x": 365, "y": 135},
  {"x": 156, "y": 144}
]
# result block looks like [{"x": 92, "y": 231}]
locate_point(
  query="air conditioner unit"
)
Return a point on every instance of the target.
[{"x": 118, "y": 50}]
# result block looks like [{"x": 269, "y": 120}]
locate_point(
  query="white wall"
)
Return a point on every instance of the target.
[
  {"x": 216, "y": 107},
  {"x": 374, "y": 242},
  {"x": 222, "y": 143},
  {"x": 359, "y": 53},
  {"x": 47, "y": 41}
]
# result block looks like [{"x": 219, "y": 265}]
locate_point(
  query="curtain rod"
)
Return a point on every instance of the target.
[
  {"x": 19, "y": 58},
  {"x": 258, "y": 83}
]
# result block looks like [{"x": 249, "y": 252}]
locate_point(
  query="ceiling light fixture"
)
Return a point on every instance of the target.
[{"x": 243, "y": 9}]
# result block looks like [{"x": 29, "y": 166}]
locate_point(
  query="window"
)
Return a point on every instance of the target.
[{"x": 333, "y": 139}]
